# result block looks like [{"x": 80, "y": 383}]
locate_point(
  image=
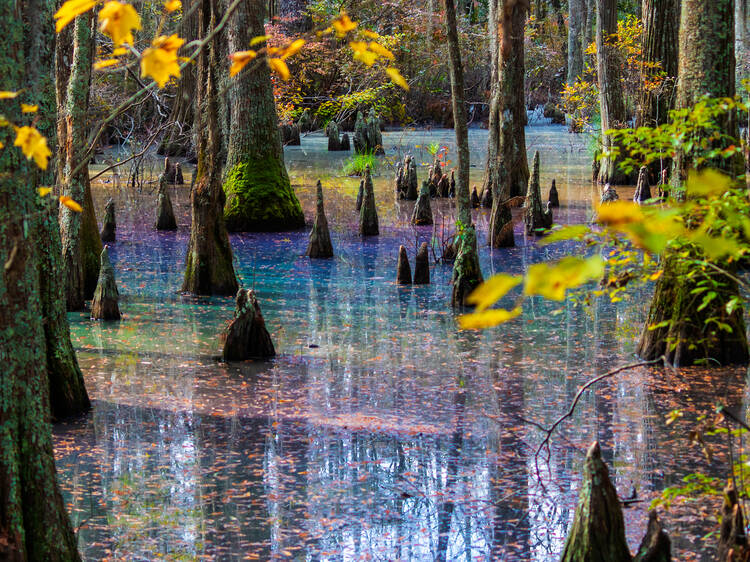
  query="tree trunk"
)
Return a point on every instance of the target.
[
  {"x": 661, "y": 25},
  {"x": 506, "y": 144},
  {"x": 576, "y": 22},
  {"x": 178, "y": 139},
  {"x": 81, "y": 244},
  {"x": 209, "y": 269},
  {"x": 34, "y": 524},
  {"x": 259, "y": 195},
  {"x": 588, "y": 27},
  {"x": 611, "y": 104},
  {"x": 293, "y": 17},
  {"x": 706, "y": 66}
]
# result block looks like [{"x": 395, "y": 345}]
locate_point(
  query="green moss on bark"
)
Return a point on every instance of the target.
[{"x": 260, "y": 198}]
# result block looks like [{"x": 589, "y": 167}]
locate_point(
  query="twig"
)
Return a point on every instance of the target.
[{"x": 134, "y": 156}]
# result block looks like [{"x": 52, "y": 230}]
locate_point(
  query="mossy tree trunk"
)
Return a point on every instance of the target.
[
  {"x": 34, "y": 524},
  {"x": 506, "y": 143},
  {"x": 706, "y": 66},
  {"x": 259, "y": 195},
  {"x": 209, "y": 269},
  {"x": 611, "y": 102},
  {"x": 81, "y": 244}
]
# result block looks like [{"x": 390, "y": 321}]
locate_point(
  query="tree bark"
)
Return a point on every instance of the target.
[
  {"x": 506, "y": 144},
  {"x": 34, "y": 524},
  {"x": 576, "y": 22},
  {"x": 81, "y": 244},
  {"x": 209, "y": 269},
  {"x": 661, "y": 25},
  {"x": 611, "y": 104},
  {"x": 259, "y": 195}
]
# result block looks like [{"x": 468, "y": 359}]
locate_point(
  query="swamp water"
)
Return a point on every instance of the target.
[{"x": 380, "y": 432}]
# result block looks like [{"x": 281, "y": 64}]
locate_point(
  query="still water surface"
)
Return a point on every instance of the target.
[{"x": 380, "y": 432}]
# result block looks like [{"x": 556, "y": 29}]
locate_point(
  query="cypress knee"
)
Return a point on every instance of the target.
[
  {"x": 320, "y": 238},
  {"x": 486, "y": 199},
  {"x": 474, "y": 198},
  {"x": 368, "y": 215},
  {"x": 403, "y": 274},
  {"x": 106, "y": 296},
  {"x": 422, "y": 266},
  {"x": 554, "y": 197},
  {"x": 247, "y": 336},
  {"x": 164, "y": 213},
  {"x": 643, "y": 189},
  {"x": 109, "y": 227},
  {"x": 360, "y": 194},
  {"x": 609, "y": 194},
  {"x": 537, "y": 219},
  {"x": 411, "y": 180},
  {"x": 179, "y": 179},
  {"x": 422, "y": 210},
  {"x": 598, "y": 531},
  {"x": 732, "y": 539},
  {"x": 467, "y": 275},
  {"x": 655, "y": 546}
]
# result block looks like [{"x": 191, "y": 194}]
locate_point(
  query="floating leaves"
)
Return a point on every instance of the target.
[
  {"x": 118, "y": 20},
  {"x": 160, "y": 60},
  {"x": 34, "y": 145}
]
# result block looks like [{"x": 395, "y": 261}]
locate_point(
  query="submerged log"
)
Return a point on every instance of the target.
[
  {"x": 368, "y": 215},
  {"x": 110, "y": 226},
  {"x": 474, "y": 198},
  {"x": 422, "y": 266},
  {"x": 320, "y": 238},
  {"x": 403, "y": 273},
  {"x": 554, "y": 197},
  {"x": 655, "y": 546},
  {"x": 537, "y": 218},
  {"x": 247, "y": 336},
  {"x": 642, "y": 189},
  {"x": 733, "y": 545},
  {"x": 500, "y": 234},
  {"x": 164, "y": 213},
  {"x": 422, "y": 210},
  {"x": 467, "y": 275},
  {"x": 598, "y": 531},
  {"x": 106, "y": 296}
]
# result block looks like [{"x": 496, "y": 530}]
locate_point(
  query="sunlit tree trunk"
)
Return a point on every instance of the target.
[
  {"x": 611, "y": 103},
  {"x": 81, "y": 244},
  {"x": 680, "y": 331},
  {"x": 34, "y": 524},
  {"x": 259, "y": 195},
  {"x": 209, "y": 269},
  {"x": 661, "y": 25},
  {"x": 576, "y": 22}
]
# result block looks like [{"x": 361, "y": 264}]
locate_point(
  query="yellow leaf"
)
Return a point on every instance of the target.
[
  {"x": 34, "y": 145},
  {"x": 239, "y": 60},
  {"x": 370, "y": 34},
  {"x": 292, "y": 49},
  {"x": 492, "y": 290},
  {"x": 7, "y": 95},
  {"x": 279, "y": 67},
  {"x": 553, "y": 280},
  {"x": 118, "y": 20},
  {"x": 98, "y": 65},
  {"x": 160, "y": 61},
  {"x": 656, "y": 275},
  {"x": 382, "y": 51},
  {"x": 70, "y": 10},
  {"x": 172, "y": 5},
  {"x": 358, "y": 46},
  {"x": 487, "y": 318},
  {"x": 367, "y": 57},
  {"x": 26, "y": 108},
  {"x": 70, "y": 204},
  {"x": 1, "y": 145},
  {"x": 396, "y": 78},
  {"x": 119, "y": 51},
  {"x": 44, "y": 191},
  {"x": 343, "y": 24},
  {"x": 260, "y": 39},
  {"x": 619, "y": 213}
]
